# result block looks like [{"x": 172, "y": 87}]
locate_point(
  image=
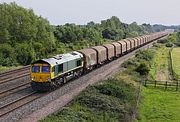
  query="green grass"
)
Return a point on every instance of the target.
[
  {"x": 108, "y": 101},
  {"x": 176, "y": 60},
  {"x": 112, "y": 100},
  {"x": 5, "y": 68},
  {"x": 159, "y": 105},
  {"x": 160, "y": 68}
]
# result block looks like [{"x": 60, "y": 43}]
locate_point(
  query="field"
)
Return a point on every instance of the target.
[
  {"x": 176, "y": 60},
  {"x": 158, "y": 104},
  {"x": 114, "y": 99},
  {"x": 160, "y": 68}
]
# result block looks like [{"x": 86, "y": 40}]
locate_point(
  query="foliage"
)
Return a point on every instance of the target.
[
  {"x": 143, "y": 69},
  {"x": 24, "y": 54},
  {"x": 111, "y": 100},
  {"x": 22, "y": 28},
  {"x": 169, "y": 44},
  {"x": 7, "y": 55},
  {"x": 172, "y": 37},
  {"x": 162, "y": 41},
  {"x": 19, "y": 29},
  {"x": 130, "y": 63},
  {"x": 146, "y": 55},
  {"x": 157, "y": 45}
]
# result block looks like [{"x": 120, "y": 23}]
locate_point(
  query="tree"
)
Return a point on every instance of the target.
[
  {"x": 21, "y": 27},
  {"x": 25, "y": 54},
  {"x": 7, "y": 55}
]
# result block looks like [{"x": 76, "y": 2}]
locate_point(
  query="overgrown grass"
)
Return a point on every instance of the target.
[
  {"x": 5, "y": 68},
  {"x": 108, "y": 101},
  {"x": 159, "y": 105},
  {"x": 176, "y": 60},
  {"x": 111, "y": 100},
  {"x": 160, "y": 64}
]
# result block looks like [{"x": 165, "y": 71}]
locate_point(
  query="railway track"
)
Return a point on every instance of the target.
[
  {"x": 15, "y": 104},
  {"x": 13, "y": 78},
  {"x": 21, "y": 107},
  {"x": 17, "y": 88},
  {"x": 14, "y": 74},
  {"x": 25, "y": 100},
  {"x": 14, "y": 71}
]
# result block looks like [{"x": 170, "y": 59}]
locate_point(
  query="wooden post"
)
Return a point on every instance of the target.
[
  {"x": 177, "y": 86},
  {"x": 155, "y": 83},
  {"x": 166, "y": 85},
  {"x": 145, "y": 83}
]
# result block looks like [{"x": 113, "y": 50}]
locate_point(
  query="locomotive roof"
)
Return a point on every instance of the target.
[{"x": 62, "y": 58}]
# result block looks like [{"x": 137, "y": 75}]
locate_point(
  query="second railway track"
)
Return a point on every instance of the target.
[
  {"x": 22, "y": 102},
  {"x": 17, "y": 88},
  {"x": 2, "y": 74},
  {"x": 15, "y": 104}
]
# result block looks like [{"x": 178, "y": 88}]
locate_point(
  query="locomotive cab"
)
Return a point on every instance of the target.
[
  {"x": 40, "y": 75},
  {"x": 47, "y": 74},
  {"x": 41, "y": 72}
]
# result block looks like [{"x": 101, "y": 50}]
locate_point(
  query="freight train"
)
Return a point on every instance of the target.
[{"x": 47, "y": 74}]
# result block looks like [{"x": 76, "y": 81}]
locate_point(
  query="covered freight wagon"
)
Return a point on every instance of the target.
[
  {"x": 123, "y": 46},
  {"x": 117, "y": 49},
  {"x": 90, "y": 57},
  {"x": 101, "y": 54},
  {"x": 110, "y": 51}
]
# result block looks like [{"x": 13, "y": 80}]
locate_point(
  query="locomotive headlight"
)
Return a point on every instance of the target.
[
  {"x": 33, "y": 78},
  {"x": 48, "y": 79}
]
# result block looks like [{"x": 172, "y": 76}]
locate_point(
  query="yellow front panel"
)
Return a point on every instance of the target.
[{"x": 41, "y": 76}]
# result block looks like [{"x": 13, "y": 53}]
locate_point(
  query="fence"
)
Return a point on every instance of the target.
[{"x": 166, "y": 84}]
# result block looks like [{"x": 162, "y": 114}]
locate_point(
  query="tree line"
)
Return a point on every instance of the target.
[{"x": 25, "y": 37}]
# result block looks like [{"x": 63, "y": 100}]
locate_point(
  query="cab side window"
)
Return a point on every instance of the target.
[
  {"x": 53, "y": 69},
  {"x": 78, "y": 63},
  {"x": 60, "y": 68}
]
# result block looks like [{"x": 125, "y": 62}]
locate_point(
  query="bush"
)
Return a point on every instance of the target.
[
  {"x": 156, "y": 45},
  {"x": 162, "y": 41},
  {"x": 146, "y": 55},
  {"x": 169, "y": 44},
  {"x": 130, "y": 63},
  {"x": 143, "y": 69}
]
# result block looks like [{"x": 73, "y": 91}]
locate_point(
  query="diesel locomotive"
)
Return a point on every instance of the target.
[{"x": 47, "y": 74}]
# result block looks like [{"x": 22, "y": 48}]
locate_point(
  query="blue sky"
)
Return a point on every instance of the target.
[{"x": 82, "y": 11}]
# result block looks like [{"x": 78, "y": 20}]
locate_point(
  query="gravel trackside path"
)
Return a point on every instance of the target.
[{"x": 55, "y": 100}]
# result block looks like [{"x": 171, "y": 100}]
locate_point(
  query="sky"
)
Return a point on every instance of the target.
[{"x": 59, "y": 12}]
